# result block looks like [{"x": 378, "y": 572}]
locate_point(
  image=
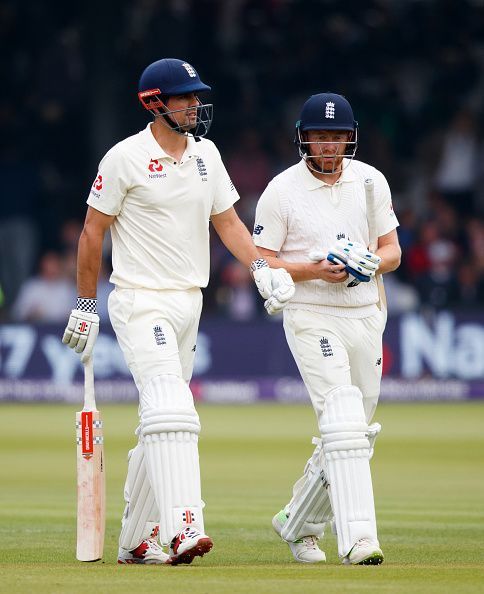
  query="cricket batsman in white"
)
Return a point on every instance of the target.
[
  {"x": 315, "y": 220},
  {"x": 157, "y": 191}
]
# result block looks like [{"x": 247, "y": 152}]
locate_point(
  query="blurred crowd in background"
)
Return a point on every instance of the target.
[{"x": 413, "y": 71}]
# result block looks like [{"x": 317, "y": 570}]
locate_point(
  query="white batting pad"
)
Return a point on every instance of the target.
[
  {"x": 141, "y": 516},
  {"x": 169, "y": 433},
  {"x": 347, "y": 450},
  {"x": 310, "y": 506}
]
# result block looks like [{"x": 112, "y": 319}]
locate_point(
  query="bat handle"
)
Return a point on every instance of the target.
[{"x": 89, "y": 395}]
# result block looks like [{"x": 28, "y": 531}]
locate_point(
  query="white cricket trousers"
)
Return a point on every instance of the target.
[
  {"x": 335, "y": 351},
  {"x": 156, "y": 330}
]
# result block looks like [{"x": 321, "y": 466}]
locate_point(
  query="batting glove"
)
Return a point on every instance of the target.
[
  {"x": 360, "y": 262},
  {"x": 82, "y": 328},
  {"x": 274, "y": 284},
  {"x": 283, "y": 291}
]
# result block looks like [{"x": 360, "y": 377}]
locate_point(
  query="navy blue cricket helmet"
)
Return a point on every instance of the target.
[
  {"x": 326, "y": 111},
  {"x": 167, "y": 77}
]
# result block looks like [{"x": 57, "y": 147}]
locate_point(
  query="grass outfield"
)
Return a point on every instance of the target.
[{"x": 429, "y": 491}]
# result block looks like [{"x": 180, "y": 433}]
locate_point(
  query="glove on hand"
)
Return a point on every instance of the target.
[
  {"x": 81, "y": 332},
  {"x": 360, "y": 262},
  {"x": 283, "y": 291},
  {"x": 274, "y": 284}
]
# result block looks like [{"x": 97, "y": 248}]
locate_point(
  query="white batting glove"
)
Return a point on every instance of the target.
[
  {"x": 82, "y": 328},
  {"x": 282, "y": 293},
  {"x": 360, "y": 262},
  {"x": 262, "y": 277},
  {"x": 274, "y": 284}
]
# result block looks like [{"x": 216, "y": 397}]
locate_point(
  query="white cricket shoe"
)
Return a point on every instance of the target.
[
  {"x": 187, "y": 544},
  {"x": 304, "y": 550},
  {"x": 148, "y": 552},
  {"x": 364, "y": 552}
]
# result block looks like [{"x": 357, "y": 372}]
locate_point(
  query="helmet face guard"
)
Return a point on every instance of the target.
[
  {"x": 152, "y": 101},
  {"x": 169, "y": 77},
  {"x": 329, "y": 112},
  {"x": 312, "y": 151}
]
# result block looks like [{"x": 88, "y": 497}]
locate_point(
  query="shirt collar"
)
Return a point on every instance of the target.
[
  {"x": 157, "y": 152},
  {"x": 311, "y": 182}
]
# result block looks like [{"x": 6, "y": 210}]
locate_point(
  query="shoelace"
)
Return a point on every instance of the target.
[
  {"x": 365, "y": 541},
  {"x": 153, "y": 546},
  {"x": 309, "y": 541}
]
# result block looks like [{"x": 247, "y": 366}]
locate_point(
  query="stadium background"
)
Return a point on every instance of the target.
[
  {"x": 414, "y": 72},
  {"x": 417, "y": 86}
]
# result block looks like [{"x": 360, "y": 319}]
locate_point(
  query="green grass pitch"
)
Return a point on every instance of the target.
[{"x": 429, "y": 488}]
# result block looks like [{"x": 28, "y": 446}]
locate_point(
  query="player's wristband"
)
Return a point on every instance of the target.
[
  {"x": 258, "y": 264},
  {"x": 87, "y": 304}
]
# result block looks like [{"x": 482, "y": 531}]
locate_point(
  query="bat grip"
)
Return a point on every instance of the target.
[{"x": 89, "y": 397}]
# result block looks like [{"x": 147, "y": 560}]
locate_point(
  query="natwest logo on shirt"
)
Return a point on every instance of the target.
[
  {"x": 155, "y": 167},
  {"x": 97, "y": 185},
  {"x": 98, "y": 182}
]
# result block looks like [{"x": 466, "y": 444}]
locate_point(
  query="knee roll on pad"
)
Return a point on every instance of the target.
[
  {"x": 346, "y": 448},
  {"x": 169, "y": 432}
]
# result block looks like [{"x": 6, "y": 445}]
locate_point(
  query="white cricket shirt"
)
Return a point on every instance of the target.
[
  {"x": 298, "y": 213},
  {"x": 160, "y": 235}
]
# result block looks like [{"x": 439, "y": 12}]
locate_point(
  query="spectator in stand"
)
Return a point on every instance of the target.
[
  {"x": 469, "y": 289},
  {"x": 236, "y": 295},
  {"x": 48, "y": 296},
  {"x": 457, "y": 172},
  {"x": 250, "y": 169},
  {"x": 431, "y": 263},
  {"x": 475, "y": 242}
]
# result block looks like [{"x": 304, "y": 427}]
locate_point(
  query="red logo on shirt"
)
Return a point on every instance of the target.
[
  {"x": 98, "y": 182},
  {"x": 155, "y": 165}
]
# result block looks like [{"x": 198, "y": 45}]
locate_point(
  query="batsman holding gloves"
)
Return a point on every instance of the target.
[
  {"x": 317, "y": 220},
  {"x": 157, "y": 191}
]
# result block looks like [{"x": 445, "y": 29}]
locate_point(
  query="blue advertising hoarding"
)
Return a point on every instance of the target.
[{"x": 435, "y": 357}]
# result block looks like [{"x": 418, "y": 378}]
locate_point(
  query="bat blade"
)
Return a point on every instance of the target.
[
  {"x": 371, "y": 215},
  {"x": 373, "y": 237},
  {"x": 91, "y": 486}
]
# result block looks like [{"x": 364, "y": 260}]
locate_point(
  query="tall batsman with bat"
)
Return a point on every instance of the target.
[
  {"x": 329, "y": 221},
  {"x": 158, "y": 191}
]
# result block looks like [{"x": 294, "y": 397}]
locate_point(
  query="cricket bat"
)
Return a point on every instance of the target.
[
  {"x": 91, "y": 484},
  {"x": 373, "y": 244}
]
